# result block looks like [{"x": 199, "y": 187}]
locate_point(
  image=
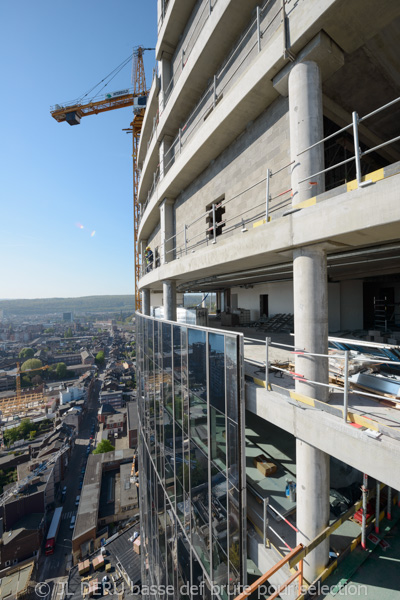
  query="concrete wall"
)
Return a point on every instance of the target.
[
  {"x": 343, "y": 306},
  {"x": 280, "y": 298},
  {"x": 263, "y": 144}
]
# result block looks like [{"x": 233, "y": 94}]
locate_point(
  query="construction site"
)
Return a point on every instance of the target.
[{"x": 269, "y": 157}]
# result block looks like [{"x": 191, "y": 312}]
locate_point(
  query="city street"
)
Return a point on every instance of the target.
[{"x": 54, "y": 566}]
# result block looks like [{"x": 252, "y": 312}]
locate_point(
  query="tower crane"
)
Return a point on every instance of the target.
[{"x": 73, "y": 112}]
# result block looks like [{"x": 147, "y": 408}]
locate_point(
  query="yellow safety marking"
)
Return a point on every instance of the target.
[
  {"x": 360, "y": 420},
  {"x": 374, "y": 176},
  {"x": 306, "y": 203},
  {"x": 329, "y": 570},
  {"x": 258, "y": 223},
  {"x": 302, "y": 398},
  {"x": 353, "y": 417}
]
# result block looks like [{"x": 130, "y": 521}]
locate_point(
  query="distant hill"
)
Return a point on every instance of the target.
[{"x": 45, "y": 306}]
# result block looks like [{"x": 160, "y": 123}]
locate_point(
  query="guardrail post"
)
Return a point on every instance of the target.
[
  {"x": 180, "y": 140},
  {"x": 346, "y": 385},
  {"x": 183, "y": 58},
  {"x": 184, "y": 233},
  {"x": 259, "y": 28},
  {"x": 356, "y": 147},
  {"x": 267, "y": 343},
  {"x": 209, "y": 7},
  {"x": 364, "y": 512},
  {"x": 214, "y": 224},
  {"x": 267, "y": 196},
  {"x": 389, "y": 504},
  {"x": 215, "y": 91},
  {"x": 377, "y": 506},
  {"x": 266, "y": 502}
]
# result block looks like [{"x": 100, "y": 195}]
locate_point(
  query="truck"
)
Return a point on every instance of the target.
[{"x": 53, "y": 531}]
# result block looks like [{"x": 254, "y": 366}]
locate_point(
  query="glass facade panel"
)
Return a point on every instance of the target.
[{"x": 190, "y": 459}]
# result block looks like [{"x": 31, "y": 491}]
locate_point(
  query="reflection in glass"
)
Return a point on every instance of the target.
[
  {"x": 218, "y": 439},
  {"x": 190, "y": 457},
  {"x": 217, "y": 371},
  {"x": 231, "y": 378}
]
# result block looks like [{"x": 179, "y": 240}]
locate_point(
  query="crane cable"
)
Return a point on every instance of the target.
[{"x": 114, "y": 72}]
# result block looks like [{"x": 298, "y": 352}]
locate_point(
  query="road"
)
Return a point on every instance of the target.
[{"x": 52, "y": 567}]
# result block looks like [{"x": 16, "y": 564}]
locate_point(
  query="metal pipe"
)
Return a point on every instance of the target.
[
  {"x": 381, "y": 145},
  {"x": 267, "y": 196},
  {"x": 364, "y": 512},
  {"x": 389, "y": 504},
  {"x": 184, "y": 233},
  {"x": 214, "y": 224},
  {"x": 377, "y": 506},
  {"x": 265, "y": 506},
  {"x": 258, "y": 28},
  {"x": 267, "y": 343},
  {"x": 346, "y": 385},
  {"x": 325, "y": 139},
  {"x": 356, "y": 146},
  {"x": 327, "y": 169},
  {"x": 374, "y": 112}
]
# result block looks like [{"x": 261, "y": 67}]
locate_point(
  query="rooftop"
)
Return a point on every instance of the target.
[{"x": 125, "y": 568}]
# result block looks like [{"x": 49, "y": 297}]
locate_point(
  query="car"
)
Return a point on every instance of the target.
[
  {"x": 82, "y": 471},
  {"x": 72, "y": 522},
  {"x": 91, "y": 437},
  {"x": 77, "y": 499},
  {"x": 64, "y": 490},
  {"x": 80, "y": 485}
]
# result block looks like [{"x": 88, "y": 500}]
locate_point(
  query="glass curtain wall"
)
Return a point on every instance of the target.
[{"x": 191, "y": 461}]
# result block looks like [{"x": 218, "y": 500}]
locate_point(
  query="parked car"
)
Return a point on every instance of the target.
[
  {"x": 77, "y": 500},
  {"x": 72, "y": 522}
]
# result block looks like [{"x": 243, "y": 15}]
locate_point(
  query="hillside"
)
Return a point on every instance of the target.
[{"x": 92, "y": 304}]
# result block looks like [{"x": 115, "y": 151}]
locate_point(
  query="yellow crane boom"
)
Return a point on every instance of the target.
[{"x": 73, "y": 112}]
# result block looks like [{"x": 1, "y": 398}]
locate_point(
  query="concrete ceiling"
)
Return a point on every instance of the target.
[{"x": 369, "y": 78}]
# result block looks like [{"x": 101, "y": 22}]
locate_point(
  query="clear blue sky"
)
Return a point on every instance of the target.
[{"x": 54, "y": 176}]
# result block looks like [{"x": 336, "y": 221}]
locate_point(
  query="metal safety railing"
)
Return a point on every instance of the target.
[
  {"x": 189, "y": 242},
  {"x": 345, "y": 389},
  {"x": 358, "y": 154},
  {"x": 250, "y": 43},
  {"x": 260, "y": 583}
]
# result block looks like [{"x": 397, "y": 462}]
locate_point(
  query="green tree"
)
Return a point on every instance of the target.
[
  {"x": 30, "y": 365},
  {"x": 61, "y": 370},
  {"x": 26, "y": 353},
  {"x": 68, "y": 333},
  {"x": 100, "y": 358},
  {"x": 104, "y": 446}
]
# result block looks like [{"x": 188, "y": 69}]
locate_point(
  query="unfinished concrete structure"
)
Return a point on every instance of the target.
[{"x": 267, "y": 178}]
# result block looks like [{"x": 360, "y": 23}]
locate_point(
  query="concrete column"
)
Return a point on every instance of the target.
[
  {"x": 310, "y": 292},
  {"x": 143, "y": 245},
  {"x": 306, "y": 128},
  {"x": 165, "y": 155},
  {"x": 312, "y": 504},
  {"x": 169, "y": 299},
  {"x": 146, "y": 302},
  {"x": 165, "y": 78},
  {"x": 167, "y": 230}
]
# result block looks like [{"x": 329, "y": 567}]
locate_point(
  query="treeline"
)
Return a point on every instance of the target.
[{"x": 42, "y": 306}]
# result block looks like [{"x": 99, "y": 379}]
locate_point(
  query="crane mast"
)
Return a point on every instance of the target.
[{"x": 73, "y": 112}]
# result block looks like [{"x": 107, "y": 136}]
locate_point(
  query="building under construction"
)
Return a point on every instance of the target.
[{"x": 270, "y": 170}]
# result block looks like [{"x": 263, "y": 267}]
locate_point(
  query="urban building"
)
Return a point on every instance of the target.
[{"x": 270, "y": 170}]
